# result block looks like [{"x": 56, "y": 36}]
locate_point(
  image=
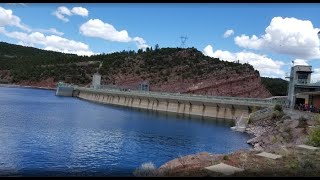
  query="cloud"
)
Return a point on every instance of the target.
[
  {"x": 97, "y": 28},
  {"x": 315, "y": 77},
  {"x": 266, "y": 66},
  {"x": 140, "y": 42},
  {"x": 100, "y": 29},
  {"x": 80, "y": 11},
  {"x": 301, "y": 62},
  {"x": 251, "y": 43},
  {"x": 7, "y": 18},
  {"x": 50, "y": 31},
  {"x": 289, "y": 36},
  {"x": 63, "y": 11},
  {"x": 228, "y": 33},
  {"x": 51, "y": 42}
]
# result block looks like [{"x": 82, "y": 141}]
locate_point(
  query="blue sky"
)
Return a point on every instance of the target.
[{"x": 268, "y": 36}]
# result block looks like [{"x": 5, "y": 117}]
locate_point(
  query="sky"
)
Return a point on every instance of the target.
[{"x": 268, "y": 36}]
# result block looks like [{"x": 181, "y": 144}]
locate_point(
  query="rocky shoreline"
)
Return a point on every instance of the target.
[{"x": 270, "y": 135}]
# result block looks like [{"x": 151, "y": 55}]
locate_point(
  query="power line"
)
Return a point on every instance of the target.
[{"x": 183, "y": 41}]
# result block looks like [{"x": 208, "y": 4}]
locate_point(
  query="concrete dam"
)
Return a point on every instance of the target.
[{"x": 184, "y": 104}]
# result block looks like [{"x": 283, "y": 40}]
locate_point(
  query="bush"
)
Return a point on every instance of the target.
[
  {"x": 302, "y": 122},
  {"x": 278, "y": 107},
  {"x": 317, "y": 119},
  {"x": 225, "y": 157},
  {"x": 314, "y": 137},
  {"x": 146, "y": 169},
  {"x": 277, "y": 114}
]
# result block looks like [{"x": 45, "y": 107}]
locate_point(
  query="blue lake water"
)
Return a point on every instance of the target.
[{"x": 45, "y": 135}]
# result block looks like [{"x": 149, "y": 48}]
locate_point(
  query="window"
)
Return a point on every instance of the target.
[{"x": 303, "y": 78}]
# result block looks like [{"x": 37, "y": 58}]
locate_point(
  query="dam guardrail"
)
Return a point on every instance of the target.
[{"x": 186, "y": 97}]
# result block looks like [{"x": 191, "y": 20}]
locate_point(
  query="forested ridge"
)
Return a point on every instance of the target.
[{"x": 157, "y": 65}]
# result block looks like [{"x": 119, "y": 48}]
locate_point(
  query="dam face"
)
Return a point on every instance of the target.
[{"x": 187, "y": 106}]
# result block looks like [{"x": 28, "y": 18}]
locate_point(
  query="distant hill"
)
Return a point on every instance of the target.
[
  {"x": 276, "y": 86},
  {"x": 184, "y": 70}
]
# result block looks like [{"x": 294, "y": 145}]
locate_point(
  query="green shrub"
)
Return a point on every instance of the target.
[
  {"x": 276, "y": 115},
  {"x": 225, "y": 157},
  {"x": 302, "y": 122},
  {"x": 274, "y": 139},
  {"x": 314, "y": 137},
  {"x": 254, "y": 109},
  {"x": 146, "y": 169},
  {"x": 278, "y": 107},
  {"x": 317, "y": 119}
]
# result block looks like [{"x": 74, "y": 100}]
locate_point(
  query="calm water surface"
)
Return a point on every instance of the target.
[{"x": 42, "y": 134}]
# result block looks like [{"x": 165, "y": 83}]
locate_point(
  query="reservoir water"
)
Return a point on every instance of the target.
[{"x": 45, "y": 135}]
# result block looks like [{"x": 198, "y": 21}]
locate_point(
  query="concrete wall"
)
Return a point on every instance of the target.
[
  {"x": 64, "y": 91},
  {"x": 187, "y": 108}
]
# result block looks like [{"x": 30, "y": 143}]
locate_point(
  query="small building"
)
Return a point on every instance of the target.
[
  {"x": 301, "y": 90},
  {"x": 144, "y": 86},
  {"x": 96, "y": 81}
]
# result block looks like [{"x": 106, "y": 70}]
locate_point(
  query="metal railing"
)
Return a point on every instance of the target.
[
  {"x": 63, "y": 84},
  {"x": 301, "y": 81},
  {"x": 188, "y": 97}
]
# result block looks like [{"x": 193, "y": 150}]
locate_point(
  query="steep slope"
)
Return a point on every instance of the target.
[
  {"x": 166, "y": 69},
  {"x": 184, "y": 71}
]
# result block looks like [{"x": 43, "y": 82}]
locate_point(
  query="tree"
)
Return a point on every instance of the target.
[
  {"x": 140, "y": 51},
  {"x": 156, "y": 47}
]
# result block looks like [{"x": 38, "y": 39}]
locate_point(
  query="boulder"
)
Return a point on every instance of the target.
[
  {"x": 254, "y": 140},
  {"x": 297, "y": 132},
  {"x": 257, "y": 147},
  {"x": 293, "y": 124},
  {"x": 285, "y": 117},
  {"x": 267, "y": 139},
  {"x": 311, "y": 122}
]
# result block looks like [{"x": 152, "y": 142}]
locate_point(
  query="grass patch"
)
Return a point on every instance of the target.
[
  {"x": 314, "y": 137},
  {"x": 146, "y": 169},
  {"x": 278, "y": 107}
]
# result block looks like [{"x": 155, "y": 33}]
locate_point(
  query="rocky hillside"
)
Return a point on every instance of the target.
[
  {"x": 184, "y": 71},
  {"x": 166, "y": 69}
]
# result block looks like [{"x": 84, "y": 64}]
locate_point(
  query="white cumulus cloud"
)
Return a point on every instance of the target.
[
  {"x": 80, "y": 11},
  {"x": 51, "y": 42},
  {"x": 290, "y": 36},
  {"x": 140, "y": 42},
  {"x": 63, "y": 11},
  {"x": 251, "y": 43},
  {"x": 265, "y": 65},
  {"x": 228, "y": 33},
  {"x": 300, "y": 62},
  {"x": 99, "y": 29},
  {"x": 7, "y": 18}
]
